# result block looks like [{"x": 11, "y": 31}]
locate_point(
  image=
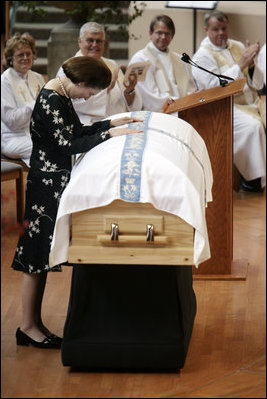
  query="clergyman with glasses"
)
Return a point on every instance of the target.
[
  {"x": 20, "y": 87},
  {"x": 120, "y": 96},
  {"x": 167, "y": 78}
]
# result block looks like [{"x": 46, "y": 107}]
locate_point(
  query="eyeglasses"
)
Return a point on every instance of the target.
[
  {"x": 160, "y": 33},
  {"x": 91, "y": 41},
  {"x": 20, "y": 56}
]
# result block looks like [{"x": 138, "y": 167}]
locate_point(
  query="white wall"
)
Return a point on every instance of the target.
[{"x": 247, "y": 21}]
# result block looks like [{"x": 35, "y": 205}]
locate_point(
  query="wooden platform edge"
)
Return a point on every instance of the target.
[{"x": 239, "y": 272}]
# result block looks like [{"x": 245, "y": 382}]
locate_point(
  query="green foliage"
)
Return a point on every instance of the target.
[
  {"x": 34, "y": 7},
  {"x": 103, "y": 12}
]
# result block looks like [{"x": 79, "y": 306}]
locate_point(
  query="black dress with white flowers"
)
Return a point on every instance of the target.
[{"x": 57, "y": 134}]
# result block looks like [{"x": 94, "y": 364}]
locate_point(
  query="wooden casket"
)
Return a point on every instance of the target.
[
  {"x": 130, "y": 233},
  {"x": 157, "y": 183},
  {"x": 132, "y": 223}
]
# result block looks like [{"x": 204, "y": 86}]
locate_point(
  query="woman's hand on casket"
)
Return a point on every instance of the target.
[
  {"x": 123, "y": 131},
  {"x": 124, "y": 121}
]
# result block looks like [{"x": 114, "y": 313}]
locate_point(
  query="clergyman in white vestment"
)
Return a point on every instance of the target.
[
  {"x": 119, "y": 97},
  {"x": 167, "y": 77},
  {"x": 221, "y": 55}
]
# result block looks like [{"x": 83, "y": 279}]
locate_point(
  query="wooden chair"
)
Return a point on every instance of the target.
[
  {"x": 16, "y": 161},
  {"x": 10, "y": 171}
]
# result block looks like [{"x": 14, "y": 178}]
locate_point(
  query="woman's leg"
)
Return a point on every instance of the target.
[
  {"x": 33, "y": 286},
  {"x": 38, "y": 307}
]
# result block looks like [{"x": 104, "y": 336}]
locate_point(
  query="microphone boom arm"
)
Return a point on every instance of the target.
[{"x": 221, "y": 78}]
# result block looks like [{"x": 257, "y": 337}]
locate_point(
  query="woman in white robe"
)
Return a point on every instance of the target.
[{"x": 20, "y": 87}]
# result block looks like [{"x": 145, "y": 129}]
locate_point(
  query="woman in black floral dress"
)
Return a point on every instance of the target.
[{"x": 57, "y": 134}]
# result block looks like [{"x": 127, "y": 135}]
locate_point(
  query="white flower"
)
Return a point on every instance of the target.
[
  {"x": 69, "y": 128},
  {"x": 129, "y": 180},
  {"x": 19, "y": 250},
  {"x": 104, "y": 135}
]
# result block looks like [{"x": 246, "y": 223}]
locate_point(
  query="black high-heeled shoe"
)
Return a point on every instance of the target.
[
  {"x": 55, "y": 338},
  {"x": 25, "y": 340},
  {"x": 51, "y": 336}
]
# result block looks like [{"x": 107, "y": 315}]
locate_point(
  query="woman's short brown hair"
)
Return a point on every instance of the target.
[
  {"x": 13, "y": 43},
  {"x": 92, "y": 72}
]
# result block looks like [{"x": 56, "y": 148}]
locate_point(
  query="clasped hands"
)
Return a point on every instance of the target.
[
  {"x": 124, "y": 130},
  {"x": 248, "y": 56}
]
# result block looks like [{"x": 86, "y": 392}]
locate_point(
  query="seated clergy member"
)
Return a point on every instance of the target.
[
  {"x": 168, "y": 76},
  {"x": 262, "y": 65},
  {"x": 224, "y": 56},
  {"x": 20, "y": 87},
  {"x": 120, "y": 96}
]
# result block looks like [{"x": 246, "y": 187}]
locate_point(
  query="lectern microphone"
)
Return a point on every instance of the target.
[{"x": 222, "y": 78}]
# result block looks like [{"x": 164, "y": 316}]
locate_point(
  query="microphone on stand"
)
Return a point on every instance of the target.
[{"x": 222, "y": 78}]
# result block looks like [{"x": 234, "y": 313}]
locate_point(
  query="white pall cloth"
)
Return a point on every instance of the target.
[{"x": 167, "y": 166}]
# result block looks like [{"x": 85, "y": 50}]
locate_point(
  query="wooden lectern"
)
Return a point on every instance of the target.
[{"x": 210, "y": 112}]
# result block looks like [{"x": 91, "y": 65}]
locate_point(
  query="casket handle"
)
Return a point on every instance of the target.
[
  {"x": 105, "y": 239},
  {"x": 150, "y": 232},
  {"x": 114, "y": 232},
  {"x": 125, "y": 239}
]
